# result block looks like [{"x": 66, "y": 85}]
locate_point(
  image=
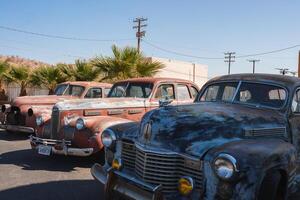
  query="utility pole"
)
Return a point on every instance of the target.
[
  {"x": 283, "y": 71},
  {"x": 139, "y": 34},
  {"x": 229, "y": 57},
  {"x": 299, "y": 64},
  {"x": 253, "y": 64},
  {"x": 194, "y": 72}
]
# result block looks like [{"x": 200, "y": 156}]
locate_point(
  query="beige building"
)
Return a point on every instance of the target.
[{"x": 184, "y": 70}]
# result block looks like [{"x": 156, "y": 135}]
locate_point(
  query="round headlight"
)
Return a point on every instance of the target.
[
  {"x": 39, "y": 120},
  {"x": 80, "y": 124},
  {"x": 108, "y": 138},
  {"x": 225, "y": 166}
]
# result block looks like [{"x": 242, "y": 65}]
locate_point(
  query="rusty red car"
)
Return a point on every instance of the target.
[
  {"x": 20, "y": 115},
  {"x": 75, "y": 126}
]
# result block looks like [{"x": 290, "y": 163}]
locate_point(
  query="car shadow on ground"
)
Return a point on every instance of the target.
[
  {"x": 29, "y": 159},
  {"x": 13, "y": 136},
  {"x": 58, "y": 190}
]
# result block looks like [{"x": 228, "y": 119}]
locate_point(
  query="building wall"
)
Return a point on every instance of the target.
[{"x": 183, "y": 70}]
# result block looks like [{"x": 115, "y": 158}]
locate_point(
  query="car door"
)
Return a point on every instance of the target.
[{"x": 294, "y": 121}]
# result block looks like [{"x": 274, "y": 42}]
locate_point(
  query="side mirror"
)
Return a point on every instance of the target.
[{"x": 164, "y": 102}]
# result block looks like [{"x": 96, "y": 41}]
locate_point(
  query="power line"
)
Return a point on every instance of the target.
[
  {"x": 229, "y": 58},
  {"x": 61, "y": 37},
  {"x": 43, "y": 52},
  {"x": 139, "y": 34},
  {"x": 269, "y": 52},
  {"x": 180, "y": 54}
]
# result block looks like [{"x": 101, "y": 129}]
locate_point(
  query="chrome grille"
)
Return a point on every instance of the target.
[
  {"x": 55, "y": 123},
  {"x": 266, "y": 132},
  {"x": 161, "y": 169}
]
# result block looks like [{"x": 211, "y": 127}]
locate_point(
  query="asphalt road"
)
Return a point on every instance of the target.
[{"x": 26, "y": 175}]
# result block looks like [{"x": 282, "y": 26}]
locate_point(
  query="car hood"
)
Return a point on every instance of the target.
[
  {"x": 39, "y": 100},
  {"x": 105, "y": 103},
  {"x": 194, "y": 129}
]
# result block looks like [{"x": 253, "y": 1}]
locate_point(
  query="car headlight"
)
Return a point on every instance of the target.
[
  {"x": 225, "y": 166},
  {"x": 108, "y": 138},
  {"x": 39, "y": 120},
  {"x": 80, "y": 124}
]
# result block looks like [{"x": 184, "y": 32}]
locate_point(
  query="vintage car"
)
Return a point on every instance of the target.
[
  {"x": 239, "y": 140},
  {"x": 21, "y": 115},
  {"x": 75, "y": 126}
]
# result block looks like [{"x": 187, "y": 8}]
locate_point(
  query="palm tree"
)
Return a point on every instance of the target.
[
  {"x": 18, "y": 75},
  {"x": 47, "y": 76},
  {"x": 3, "y": 68},
  {"x": 80, "y": 71},
  {"x": 125, "y": 63}
]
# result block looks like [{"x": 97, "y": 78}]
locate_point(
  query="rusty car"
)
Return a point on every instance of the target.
[
  {"x": 75, "y": 126},
  {"x": 21, "y": 115},
  {"x": 238, "y": 140}
]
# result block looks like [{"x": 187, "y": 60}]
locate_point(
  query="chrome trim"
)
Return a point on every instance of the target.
[
  {"x": 66, "y": 149},
  {"x": 229, "y": 158},
  {"x": 161, "y": 167}
]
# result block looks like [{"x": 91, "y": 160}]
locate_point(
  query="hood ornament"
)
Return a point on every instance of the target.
[{"x": 147, "y": 131}]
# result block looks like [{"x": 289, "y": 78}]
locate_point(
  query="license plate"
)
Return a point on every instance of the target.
[{"x": 44, "y": 150}]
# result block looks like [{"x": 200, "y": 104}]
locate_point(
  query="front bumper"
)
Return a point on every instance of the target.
[
  {"x": 117, "y": 182},
  {"x": 16, "y": 128},
  {"x": 61, "y": 147}
]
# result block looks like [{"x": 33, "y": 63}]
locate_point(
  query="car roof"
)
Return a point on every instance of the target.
[
  {"x": 272, "y": 78},
  {"x": 88, "y": 83},
  {"x": 156, "y": 80}
]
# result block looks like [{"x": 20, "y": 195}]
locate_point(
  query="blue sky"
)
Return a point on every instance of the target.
[{"x": 195, "y": 27}]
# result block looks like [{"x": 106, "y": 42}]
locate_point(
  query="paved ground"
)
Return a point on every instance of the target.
[{"x": 26, "y": 175}]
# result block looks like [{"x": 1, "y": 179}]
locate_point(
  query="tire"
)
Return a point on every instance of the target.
[
  {"x": 99, "y": 157},
  {"x": 271, "y": 186}
]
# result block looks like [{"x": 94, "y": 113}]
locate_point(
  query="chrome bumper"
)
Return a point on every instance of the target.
[
  {"x": 17, "y": 128},
  {"x": 125, "y": 185},
  {"x": 64, "y": 147}
]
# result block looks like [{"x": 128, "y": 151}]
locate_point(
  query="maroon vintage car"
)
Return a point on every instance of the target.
[
  {"x": 75, "y": 126},
  {"x": 20, "y": 116}
]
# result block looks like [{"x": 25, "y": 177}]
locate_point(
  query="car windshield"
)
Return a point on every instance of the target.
[
  {"x": 60, "y": 89},
  {"x": 257, "y": 94},
  {"x": 72, "y": 90},
  {"x": 131, "y": 89}
]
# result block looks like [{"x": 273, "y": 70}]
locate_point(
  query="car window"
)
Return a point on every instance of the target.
[
  {"x": 74, "y": 90},
  {"x": 219, "y": 92},
  {"x": 183, "y": 92},
  {"x": 131, "y": 89},
  {"x": 106, "y": 91},
  {"x": 165, "y": 91},
  {"x": 194, "y": 92},
  {"x": 296, "y": 102},
  {"x": 261, "y": 95},
  {"x": 94, "y": 93},
  {"x": 60, "y": 89}
]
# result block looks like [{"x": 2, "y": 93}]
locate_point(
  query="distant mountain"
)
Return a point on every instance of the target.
[{"x": 16, "y": 60}]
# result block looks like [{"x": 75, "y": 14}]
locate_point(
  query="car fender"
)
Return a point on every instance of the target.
[
  {"x": 254, "y": 158},
  {"x": 90, "y": 136}
]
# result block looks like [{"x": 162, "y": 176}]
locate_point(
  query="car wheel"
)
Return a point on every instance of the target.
[
  {"x": 99, "y": 157},
  {"x": 271, "y": 187}
]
